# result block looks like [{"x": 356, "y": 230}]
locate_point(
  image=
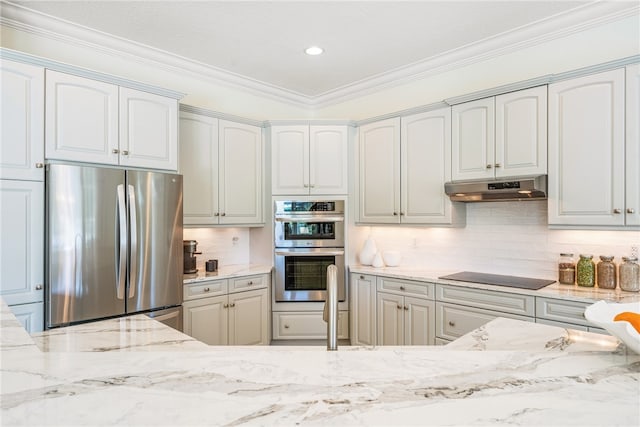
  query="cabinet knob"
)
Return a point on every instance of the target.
[
  {"x": 38, "y": 287},
  {"x": 452, "y": 324},
  {"x": 361, "y": 277},
  {"x": 250, "y": 283},
  {"x": 286, "y": 326},
  {"x": 395, "y": 213},
  {"x": 489, "y": 166},
  {"x": 406, "y": 308},
  {"x": 216, "y": 214},
  {"x": 630, "y": 210},
  {"x": 115, "y": 151},
  {"x": 39, "y": 165},
  {"x": 223, "y": 214},
  {"x": 497, "y": 165},
  {"x": 306, "y": 186},
  {"x": 312, "y": 186},
  {"x": 225, "y": 305},
  {"x": 207, "y": 289},
  {"x": 401, "y": 213},
  {"x": 233, "y": 304},
  {"x": 617, "y": 211},
  {"x": 402, "y": 288},
  {"x": 399, "y": 307},
  {"x": 125, "y": 153}
]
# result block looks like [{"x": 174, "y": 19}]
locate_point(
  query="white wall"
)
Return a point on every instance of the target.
[
  {"x": 229, "y": 246},
  {"x": 500, "y": 237}
]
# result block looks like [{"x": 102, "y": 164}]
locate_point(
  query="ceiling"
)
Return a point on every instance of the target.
[{"x": 264, "y": 41}]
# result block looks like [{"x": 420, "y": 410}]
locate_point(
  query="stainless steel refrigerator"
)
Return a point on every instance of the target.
[{"x": 114, "y": 244}]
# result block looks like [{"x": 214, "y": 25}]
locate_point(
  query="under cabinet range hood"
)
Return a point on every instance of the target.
[{"x": 497, "y": 190}]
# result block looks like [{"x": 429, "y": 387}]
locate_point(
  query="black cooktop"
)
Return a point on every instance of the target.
[{"x": 499, "y": 280}]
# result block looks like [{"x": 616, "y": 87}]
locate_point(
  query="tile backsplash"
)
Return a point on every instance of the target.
[
  {"x": 228, "y": 245},
  {"x": 503, "y": 238}
]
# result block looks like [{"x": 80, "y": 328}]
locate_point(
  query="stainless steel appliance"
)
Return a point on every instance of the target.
[
  {"x": 505, "y": 189},
  {"x": 113, "y": 243},
  {"x": 189, "y": 256},
  {"x": 309, "y": 236}
]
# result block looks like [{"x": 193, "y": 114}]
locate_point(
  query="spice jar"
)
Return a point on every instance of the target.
[
  {"x": 586, "y": 270},
  {"x": 606, "y": 272},
  {"x": 629, "y": 274},
  {"x": 566, "y": 269}
]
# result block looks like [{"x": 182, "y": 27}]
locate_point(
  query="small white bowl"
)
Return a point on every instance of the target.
[
  {"x": 391, "y": 258},
  {"x": 602, "y": 313}
]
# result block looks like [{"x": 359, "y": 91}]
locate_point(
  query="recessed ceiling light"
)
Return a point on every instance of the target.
[{"x": 313, "y": 50}]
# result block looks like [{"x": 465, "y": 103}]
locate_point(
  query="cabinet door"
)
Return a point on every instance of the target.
[
  {"x": 419, "y": 321},
  {"x": 31, "y": 316},
  {"x": 81, "y": 120},
  {"x": 586, "y": 150},
  {"x": 521, "y": 133},
  {"x": 632, "y": 147},
  {"x": 22, "y": 243},
  {"x": 206, "y": 320},
  {"x": 328, "y": 148},
  {"x": 290, "y": 160},
  {"x": 390, "y": 318},
  {"x": 425, "y": 165},
  {"x": 240, "y": 173},
  {"x": 148, "y": 130},
  {"x": 199, "y": 167},
  {"x": 362, "y": 298},
  {"x": 248, "y": 318},
  {"x": 379, "y": 175},
  {"x": 473, "y": 140},
  {"x": 22, "y": 118}
]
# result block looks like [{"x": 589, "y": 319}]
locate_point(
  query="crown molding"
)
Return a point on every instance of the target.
[
  {"x": 218, "y": 115},
  {"x": 557, "y": 26}
]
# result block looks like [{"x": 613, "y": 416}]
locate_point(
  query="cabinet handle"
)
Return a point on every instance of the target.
[
  {"x": 38, "y": 287},
  {"x": 616, "y": 211},
  {"x": 125, "y": 153},
  {"x": 361, "y": 277},
  {"x": 207, "y": 289},
  {"x": 399, "y": 307},
  {"x": 402, "y": 288},
  {"x": 497, "y": 165},
  {"x": 489, "y": 166},
  {"x": 216, "y": 214},
  {"x": 225, "y": 305},
  {"x": 406, "y": 308},
  {"x": 233, "y": 304},
  {"x": 401, "y": 213},
  {"x": 223, "y": 214},
  {"x": 630, "y": 210},
  {"x": 452, "y": 324},
  {"x": 286, "y": 326},
  {"x": 115, "y": 151},
  {"x": 39, "y": 165},
  {"x": 395, "y": 213}
]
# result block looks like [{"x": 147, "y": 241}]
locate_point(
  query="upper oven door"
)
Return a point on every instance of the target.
[{"x": 305, "y": 231}]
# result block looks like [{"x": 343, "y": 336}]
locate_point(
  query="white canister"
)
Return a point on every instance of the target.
[{"x": 368, "y": 252}]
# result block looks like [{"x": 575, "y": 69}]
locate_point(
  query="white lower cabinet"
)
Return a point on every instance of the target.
[
  {"x": 218, "y": 314},
  {"x": 30, "y": 315},
  {"x": 405, "y": 320},
  {"x": 306, "y": 325},
  {"x": 362, "y": 300}
]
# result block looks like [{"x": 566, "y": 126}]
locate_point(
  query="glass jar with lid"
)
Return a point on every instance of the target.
[
  {"x": 566, "y": 269},
  {"x": 606, "y": 273},
  {"x": 586, "y": 271},
  {"x": 629, "y": 274}
]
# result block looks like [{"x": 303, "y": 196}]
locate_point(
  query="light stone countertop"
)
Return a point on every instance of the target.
[
  {"x": 227, "y": 272},
  {"x": 525, "y": 374},
  {"x": 555, "y": 290}
]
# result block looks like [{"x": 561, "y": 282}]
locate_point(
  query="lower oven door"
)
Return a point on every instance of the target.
[{"x": 301, "y": 274}]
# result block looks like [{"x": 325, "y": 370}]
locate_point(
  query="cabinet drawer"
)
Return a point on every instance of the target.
[
  {"x": 248, "y": 283},
  {"x": 561, "y": 310},
  {"x": 405, "y": 287},
  {"x": 453, "y": 321},
  {"x": 205, "y": 289},
  {"x": 306, "y": 325},
  {"x": 562, "y": 325},
  {"x": 523, "y": 305}
]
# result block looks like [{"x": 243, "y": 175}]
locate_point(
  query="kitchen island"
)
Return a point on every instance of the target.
[{"x": 551, "y": 377}]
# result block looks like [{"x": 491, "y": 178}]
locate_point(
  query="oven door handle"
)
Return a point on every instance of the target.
[
  {"x": 323, "y": 252},
  {"x": 311, "y": 219}
]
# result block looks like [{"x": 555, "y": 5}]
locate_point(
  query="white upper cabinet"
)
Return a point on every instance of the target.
[
  {"x": 379, "y": 172},
  {"x": 586, "y": 150},
  {"x": 22, "y": 243},
  {"x": 404, "y": 163},
  {"x": 148, "y": 130},
  {"x": 96, "y": 122},
  {"x": 81, "y": 121},
  {"x": 309, "y": 160},
  {"x": 632, "y": 202},
  {"x": 240, "y": 173},
  {"x": 521, "y": 133},
  {"x": 221, "y": 163},
  {"x": 199, "y": 168},
  {"x": 22, "y": 118},
  {"x": 502, "y": 136}
]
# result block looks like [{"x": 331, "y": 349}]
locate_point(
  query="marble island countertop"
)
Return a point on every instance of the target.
[{"x": 525, "y": 374}]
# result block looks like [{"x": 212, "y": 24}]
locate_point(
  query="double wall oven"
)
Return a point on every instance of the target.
[{"x": 309, "y": 236}]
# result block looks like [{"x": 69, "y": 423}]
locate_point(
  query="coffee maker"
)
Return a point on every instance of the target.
[{"x": 189, "y": 248}]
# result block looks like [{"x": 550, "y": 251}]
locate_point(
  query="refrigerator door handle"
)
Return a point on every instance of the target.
[
  {"x": 121, "y": 243},
  {"x": 133, "y": 221}
]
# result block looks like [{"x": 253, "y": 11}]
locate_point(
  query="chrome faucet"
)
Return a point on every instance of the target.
[{"x": 330, "y": 314}]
